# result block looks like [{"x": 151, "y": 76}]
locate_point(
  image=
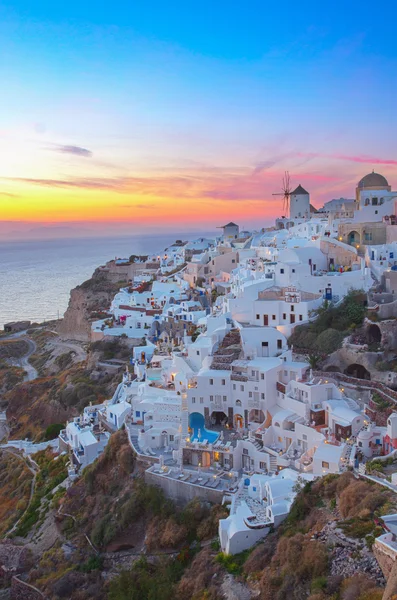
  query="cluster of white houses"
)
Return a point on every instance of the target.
[{"x": 222, "y": 410}]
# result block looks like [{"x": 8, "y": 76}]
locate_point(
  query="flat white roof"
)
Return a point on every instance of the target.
[
  {"x": 329, "y": 452},
  {"x": 87, "y": 438}
]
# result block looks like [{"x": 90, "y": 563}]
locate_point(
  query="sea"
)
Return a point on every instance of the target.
[{"x": 36, "y": 276}]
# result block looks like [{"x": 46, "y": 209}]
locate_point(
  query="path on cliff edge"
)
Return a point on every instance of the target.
[
  {"x": 23, "y": 361},
  {"x": 34, "y": 470}
]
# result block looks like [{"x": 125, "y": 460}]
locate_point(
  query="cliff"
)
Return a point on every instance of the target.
[{"x": 89, "y": 302}]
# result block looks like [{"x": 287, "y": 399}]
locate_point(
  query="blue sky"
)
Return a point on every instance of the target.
[{"x": 158, "y": 89}]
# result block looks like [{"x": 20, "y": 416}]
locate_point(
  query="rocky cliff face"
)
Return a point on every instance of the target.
[{"x": 87, "y": 303}]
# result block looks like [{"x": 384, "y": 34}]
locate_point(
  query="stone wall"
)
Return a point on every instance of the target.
[{"x": 183, "y": 491}]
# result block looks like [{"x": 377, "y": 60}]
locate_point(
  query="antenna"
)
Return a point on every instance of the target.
[{"x": 286, "y": 192}]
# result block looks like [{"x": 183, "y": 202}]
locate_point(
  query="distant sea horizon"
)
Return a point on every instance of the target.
[{"x": 36, "y": 276}]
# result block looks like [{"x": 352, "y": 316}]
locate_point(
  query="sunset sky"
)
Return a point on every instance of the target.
[{"x": 145, "y": 115}]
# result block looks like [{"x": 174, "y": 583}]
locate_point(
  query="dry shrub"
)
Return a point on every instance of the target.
[
  {"x": 126, "y": 459},
  {"x": 315, "y": 521},
  {"x": 360, "y": 587},
  {"x": 164, "y": 533},
  {"x": 302, "y": 556},
  {"x": 261, "y": 556},
  {"x": 208, "y": 528},
  {"x": 344, "y": 481},
  {"x": 200, "y": 577},
  {"x": 359, "y": 496},
  {"x": 173, "y": 535}
]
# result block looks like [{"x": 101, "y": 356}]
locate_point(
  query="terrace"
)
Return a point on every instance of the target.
[{"x": 204, "y": 478}]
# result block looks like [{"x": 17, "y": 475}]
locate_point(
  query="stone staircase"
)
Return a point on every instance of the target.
[{"x": 228, "y": 351}]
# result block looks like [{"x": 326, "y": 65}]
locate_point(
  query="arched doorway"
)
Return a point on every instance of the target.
[
  {"x": 358, "y": 371},
  {"x": 218, "y": 417},
  {"x": 238, "y": 422},
  {"x": 353, "y": 238},
  {"x": 374, "y": 334}
]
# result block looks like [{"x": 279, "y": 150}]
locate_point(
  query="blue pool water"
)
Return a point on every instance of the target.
[{"x": 196, "y": 422}]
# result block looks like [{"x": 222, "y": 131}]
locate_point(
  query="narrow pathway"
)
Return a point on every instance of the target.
[
  {"x": 33, "y": 469},
  {"x": 23, "y": 361}
]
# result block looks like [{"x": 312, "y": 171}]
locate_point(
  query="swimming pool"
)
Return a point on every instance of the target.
[{"x": 196, "y": 422}]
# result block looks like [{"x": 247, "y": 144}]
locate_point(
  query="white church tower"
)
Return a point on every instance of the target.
[{"x": 299, "y": 204}]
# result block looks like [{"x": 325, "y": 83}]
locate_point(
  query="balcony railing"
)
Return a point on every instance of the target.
[{"x": 238, "y": 377}]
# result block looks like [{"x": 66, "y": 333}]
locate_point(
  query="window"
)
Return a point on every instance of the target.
[
  {"x": 304, "y": 436},
  {"x": 171, "y": 438},
  {"x": 282, "y": 271},
  {"x": 293, "y": 270},
  {"x": 262, "y": 396},
  {"x": 234, "y": 386},
  {"x": 325, "y": 465},
  {"x": 224, "y": 398},
  {"x": 368, "y": 237},
  {"x": 262, "y": 465},
  {"x": 258, "y": 317},
  {"x": 238, "y": 402},
  {"x": 211, "y": 382},
  {"x": 241, "y": 388},
  {"x": 138, "y": 413},
  {"x": 198, "y": 352},
  {"x": 250, "y": 394},
  {"x": 223, "y": 381},
  {"x": 279, "y": 344},
  {"x": 245, "y": 451},
  {"x": 262, "y": 376},
  {"x": 253, "y": 373},
  {"x": 233, "y": 260},
  {"x": 211, "y": 398},
  {"x": 193, "y": 400},
  {"x": 300, "y": 317},
  {"x": 292, "y": 308},
  {"x": 265, "y": 344},
  {"x": 284, "y": 316},
  {"x": 201, "y": 400}
]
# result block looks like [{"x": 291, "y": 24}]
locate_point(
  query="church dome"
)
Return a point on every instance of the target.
[{"x": 374, "y": 180}]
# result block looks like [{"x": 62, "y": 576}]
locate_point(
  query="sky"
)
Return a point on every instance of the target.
[{"x": 147, "y": 116}]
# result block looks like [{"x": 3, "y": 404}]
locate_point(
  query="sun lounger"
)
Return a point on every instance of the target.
[{"x": 228, "y": 444}]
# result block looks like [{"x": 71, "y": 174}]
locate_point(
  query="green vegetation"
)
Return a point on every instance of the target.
[
  {"x": 233, "y": 563},
  {"x": 381, "y": 402},
  {"x": 15, "y": 483},
  {"x": 53, "y": 431},
  {"x": 63, "y": 361},
  {"x": 145, "y": 581},
  {"x": 332, "y": 324},
  {"x": 111, "y": 349},
  {"x": 140, "y": 257},
  {"x": 52, "y": 473}
]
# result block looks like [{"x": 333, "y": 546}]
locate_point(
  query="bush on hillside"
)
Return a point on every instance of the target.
[
  {"x": 328, "y": 341},
  {"x": 53, "y": 431}
]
